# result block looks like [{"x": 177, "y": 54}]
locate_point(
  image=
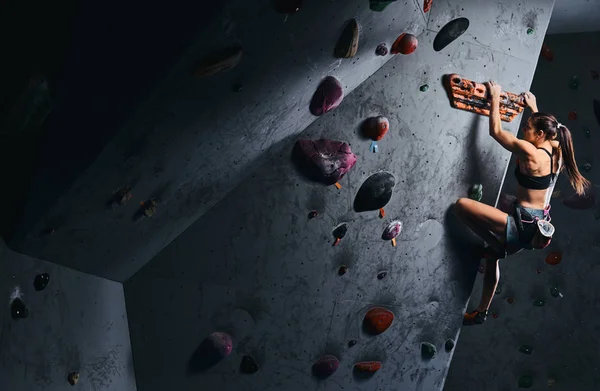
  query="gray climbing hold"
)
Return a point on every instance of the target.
[{"x": 428, "y": 350}]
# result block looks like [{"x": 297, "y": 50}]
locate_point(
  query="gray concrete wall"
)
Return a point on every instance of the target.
[
  {"x": 563, "y": 332},
  {"x": 77, "y": 323},
  {"x": 256, "y": 267}
]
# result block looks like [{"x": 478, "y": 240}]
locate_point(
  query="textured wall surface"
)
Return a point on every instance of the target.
[
  {"x": 562, "y": 333},
  {"x": 575, "y": 16},
  {"x": 255, "y": 266},
  {"x": 195, "y": 139},
  {"x": 77, "y": 323}
]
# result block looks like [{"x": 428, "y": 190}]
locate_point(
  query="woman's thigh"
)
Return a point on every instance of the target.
[{"x": 490, "y": 218}]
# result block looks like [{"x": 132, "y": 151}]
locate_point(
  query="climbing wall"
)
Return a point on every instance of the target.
[
  {"x": 271, "y": 287},
  {"x": 551, "y": 343},
  {"x": 59, "y": 326}
]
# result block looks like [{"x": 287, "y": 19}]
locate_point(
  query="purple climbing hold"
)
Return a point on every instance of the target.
[
  {"x": 222, "y": 343},
  {"x": 323, "y": 160},
  {"x": 327, "y": 97},
  {"x": 381, "y": 50},
  {"x": 392, "y": 230},
  {"x": 325, "y": 366}
]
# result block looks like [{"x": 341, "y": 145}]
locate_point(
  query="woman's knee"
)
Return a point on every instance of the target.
[{"x": 461, "y": 205}]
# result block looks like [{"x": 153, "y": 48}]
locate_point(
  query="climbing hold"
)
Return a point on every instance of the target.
[
  {"x": 551, "y": 382},
  {"x": 587, "y": 166},
  {"x": 572, "y": 116},
  {"x": 525, "y": 349},
  {"x": 148, "y": 208},
  {"x": 427, "y": 5},
  {"x": 326, "y": 161},
  {"x": 392, "y": 230},
  {"x": 499, "y": 289},
  {"x": 325, "y": 366},
  {"x": 379, "y": 5},
  {"x": 49, "y": 231},
  {"x": 510, "y": 300},
  {"x": 574, "y": 83},
  {"x": 495, "y": 315},
  {"x": 338, "y": 185},
  {"x": 41, "y": 281},
  {"x": 405, "y": 44},
  {"x": 237, "y": 87},
  {"x": 476, "y": 192},
  {"x": 248, "y": 365},
  {"x": 221, "y": 343},
  {"x": 312, "y": 214},
  {"x": 377, "y": 320},
  {"x": 381, "y": 275},
  {"x": 547, "y": 53},
  {"x": 449, "y": 345},
  {"x": 347, "y": 45},
  {"x": 381, "y": 213},
  {"x": 122, "y": 196},
  {"x": 424, "y": 88},
  {"x": 381, "y": 50},
  {"x": 328, "y": 96},
  {"x": 554, "y": 258},
  {"x": 428, "y": 350},
  {"x": 525, "y": 381},
  {"x": 73, "y": 378},
  {"x": 342, "y": 270},
  {"x": 539, "y": 303},
  {"x": 450, "y": 32},
  {"x": 587, "y": 132},
  {"x": 352, "y": 342},
  {"x": 580, "y": 202},
  {"x": 539, "y": 271},
  {"x": 375, "y": 192},
  {"x": 287, "y": 6},
  {"x": 376, "y": 127},
  {"x": 555, "y": 292},
  {"x": 530, "y": 31},
  {"x": 594, "y": 75},
  {"x": 481, "y": 268},
  {"x": 18, "y": 310},
  {"x": 367, "y": 366},
  {"x": 339, "y": 232},
  {"x": 597, "y": 110},
  {"x": 218, "y": 61},
  {"x": 556, "y": 194}
]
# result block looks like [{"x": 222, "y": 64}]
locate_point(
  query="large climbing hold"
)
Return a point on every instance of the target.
[
  {"x": 379, "y": 5},
  {"x": 18, "y": 310},
  {"x": 348, "y": 43},
  {"x": 476, "y": 192},
  {"x": 328, "y": 96},
  {"x": 325, "y": 161},
  {"x": 219, "y": 61},
  {"x": 325, "y": 366},
  {"x": 427, "y": 5},
  {"x": 428, "y": 350},
  {"x": 450, "y": 32},
  {"x": 287, "y": 6},
  {"x": 580, "y": 202},
  {"x": 405, "y": 44},
  {"x": 377, "y": 320},
  {"x": 375, "y": 192}
]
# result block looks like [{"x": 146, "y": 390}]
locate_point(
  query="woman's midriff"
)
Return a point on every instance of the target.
[{"x": 528, "y": 198}]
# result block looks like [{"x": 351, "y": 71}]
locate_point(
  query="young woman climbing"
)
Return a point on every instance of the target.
[{"x": 545, "y": 150}]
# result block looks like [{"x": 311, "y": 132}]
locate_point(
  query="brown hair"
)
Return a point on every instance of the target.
[{"x": 548, "y": 124}]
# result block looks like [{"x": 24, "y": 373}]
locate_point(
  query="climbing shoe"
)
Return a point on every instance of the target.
[{"x": 474, "y": 317}]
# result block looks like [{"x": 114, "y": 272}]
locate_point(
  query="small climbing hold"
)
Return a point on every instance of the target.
[
  {"x": 338, "y": 185},
  {"x": 381, "y": 50},
  {"x": 377, "y": 320},
  {"x": 379, "y": 5},
  {"x": 525, "y": 381},
  {"x": 594, "y": 75},
  {"x": 18, "y": 310},
  {"x": 149, "y": 207},
  {"x": 375, "y": 192},
  {"x": 510, "y": 300},
  {"x": 580, "y": 202},
  {"x": 73, "y": 378},
  {"x": 222, "y": 343},
  {"x": 551, "y": 382},
  {"x": 405, "y": 44},
  {"x": 450, "y": 32},
  {"x": 449, "y": 345},
  {"x": 325, "y": 366},
  {"x": 218, "y": 61},
  {"x": 539, "y": 271},
  {"x": 587, "y": 132},
  {"x": 49, "y": 231},
  {"x": 342, "y": 270},
  {"x": 481, "y": 268},
  {"x": 381, "y": 213},
  {"x": 428, "y": 350},
  {"x": 526, "y": 349},
  {"x": 476, "y": 192},
  {"x": 312, "y": 214},
  {"x": 376, "y": 127},
  {"x": 530, "y": 31},
  {"x": 352, "y": 342},
  {"x": 495, "y": 315},
  {"x": 381, "y": 275},
  {"x": 554, "y": 258},
  {"x": 287, "y": 6},
  {"x": 574, "y": 83},
  {"x": 328, "y": 95},
  {"x": 339, "y": 232},
  {"x": 546, "y": 53},
  {"x": 347, "y": 45},
  {"x": 374, "y": 147},
  {"x": 237, "y": 87},
  {"x": 367, "y": 366},
  {"x": 122, "y": 196},
  {"x": 572, "y": 116},
  {"x": 555, "y": 292},
  {"x": 587, "y": 166},
  {"x": 325, "y": 161},
  {"x": 539, "y": 303},
  {"x": 499, "y": 289},
  {"x": 424, "y": 88},
  {"x": 41, "y": 281},
  {"x": 427, "y": 5},
  {"x": 248, "y": 365},
  {"x": 392, "y": 231}
]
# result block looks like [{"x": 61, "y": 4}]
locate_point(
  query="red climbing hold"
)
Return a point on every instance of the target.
[
  {"x": 325, "y": 366},
  {"x": 495, "y": 315},
  {"x": 405, "y": 44},
  {"x": 367, "y": 366},
  {"x": 376, "y": 127},
  {"x": 427, "y": 5},
  {"x": 377, "y": 320},
  {"x": 327, "y": 97},
  {"x": 554, "y": 258},
  {"x": 573, "y": 116},
  {"x": 547, "y": 53}
]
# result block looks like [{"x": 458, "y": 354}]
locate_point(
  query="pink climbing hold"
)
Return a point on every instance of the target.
[
  {"x": 222, "y": 343},
  {"x": 327, "y": 97},
  {"x": 324, "y": 160},
  {"x": 325, "y": 366}
]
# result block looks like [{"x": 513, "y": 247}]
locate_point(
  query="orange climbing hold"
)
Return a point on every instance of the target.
[
  {"x": 337, "y": 184},
  {"x": 377, "y": 320},
  {"x": 554, "y": 258},
  {"x": 427, "y": 5},
  {"x": 381, "y": 213},
  {"x": 367, "y": 366}
]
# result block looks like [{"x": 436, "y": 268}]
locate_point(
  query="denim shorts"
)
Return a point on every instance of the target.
[{"x": 513, "y": 240}]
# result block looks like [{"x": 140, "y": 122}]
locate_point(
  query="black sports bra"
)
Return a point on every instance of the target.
[{"x": 536, "y": 182}]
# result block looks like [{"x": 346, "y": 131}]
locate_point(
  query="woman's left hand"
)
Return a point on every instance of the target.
[{"x": 494, "y": 90}]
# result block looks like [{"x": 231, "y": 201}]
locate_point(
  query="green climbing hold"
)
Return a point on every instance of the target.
[
  {"x": 428, "y": 350},
  {"x": 424, "y": 87},
  {"x": 530, "y": 31},
  {"x": 539, "y": 303},
  {"x": 526, "y": 349},
  {"x": 379, "y": 5},
  {"x": 476, "y": 192},
  {"x": 525, "y": 381},
  {"x": 574, "y": 83},
  {"x": 555, "y": 292}
]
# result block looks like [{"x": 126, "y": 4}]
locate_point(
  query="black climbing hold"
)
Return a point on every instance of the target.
[
  {"x": 381, "y": 50},
  {"x": 248, "y": 365},
  {"x": 342, "y": 270},
  {"x": 452, "y": 30},
  {"x": 18, "y": 310},
  {"x": 375, "y": 192},
  {"x": 340, "y": 231},
  {"x": 526, "y": 349},
  {"x": 352, "y": 342},
  {"x": 312, "y": 214},
  {"x": 73, "y": 378},
  {"x": 449, "y": 345},
  {"x": 41, "y": 281},
  {"x": 381, "y": 275},
  {"x": 428, "y": 350}
]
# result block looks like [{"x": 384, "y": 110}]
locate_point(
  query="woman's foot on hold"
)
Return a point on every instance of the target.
[{"x": 474, "y": 317}]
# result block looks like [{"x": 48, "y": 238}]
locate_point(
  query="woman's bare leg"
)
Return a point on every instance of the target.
[{"x": 491, "y": 276}]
